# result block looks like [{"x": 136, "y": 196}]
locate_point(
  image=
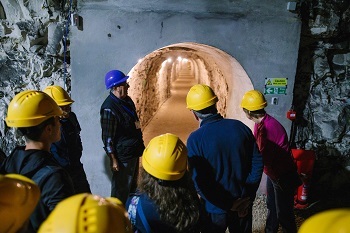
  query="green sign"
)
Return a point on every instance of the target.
[
  {"x": 275, "y": 90},
  {"x": 276, "y": 82}
]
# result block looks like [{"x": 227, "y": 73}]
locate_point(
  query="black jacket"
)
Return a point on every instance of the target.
[
  {"x": 127, "y": 141},
  {"x": 68, "y": 150},
  {"x": 54, "y": 182}
]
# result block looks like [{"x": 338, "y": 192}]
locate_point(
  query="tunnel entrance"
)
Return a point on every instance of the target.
[
  {"x": 173, "y": 116},
  {"x": 160, "y": 81}
]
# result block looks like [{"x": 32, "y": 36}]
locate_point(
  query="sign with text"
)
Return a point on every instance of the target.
[
  {"x": 275, "y": 90},
  {"x": 276, "y": 86}
]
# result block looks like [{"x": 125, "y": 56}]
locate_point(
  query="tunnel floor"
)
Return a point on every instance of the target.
[{"x": 173, "y": 116}]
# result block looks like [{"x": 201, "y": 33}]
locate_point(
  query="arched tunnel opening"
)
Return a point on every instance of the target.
[{"x": 160, "y": 81}]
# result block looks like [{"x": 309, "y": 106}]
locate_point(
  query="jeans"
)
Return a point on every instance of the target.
[
  {"x": 218, "y": 223},
  {"x": 124, "y": 181},
  {"x": 280, "y": 206}
]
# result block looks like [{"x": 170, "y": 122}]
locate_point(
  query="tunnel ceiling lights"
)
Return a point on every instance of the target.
[
  {"x": 164, "y": 63},
  {"x": 169, "y": 60}
]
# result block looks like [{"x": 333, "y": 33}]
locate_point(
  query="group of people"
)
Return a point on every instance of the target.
[
  {"x": 223, "y": 160},
  {"x": 52, "y": 151},
  {"x": 208, "y": 185}
]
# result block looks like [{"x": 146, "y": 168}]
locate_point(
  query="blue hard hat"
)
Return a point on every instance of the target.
[{"x": 114, "y": 77}]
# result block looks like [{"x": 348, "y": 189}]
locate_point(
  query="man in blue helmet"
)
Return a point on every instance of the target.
[{"x": 121, "y": 135}]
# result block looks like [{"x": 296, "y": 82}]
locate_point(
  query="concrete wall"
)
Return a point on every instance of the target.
[{"x": 262, "y": 36}]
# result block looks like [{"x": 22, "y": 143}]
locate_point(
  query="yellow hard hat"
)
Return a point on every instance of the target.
[
  {"x": 329, "y": 221},
  {"x": 200, "y": 96},
  {"x": 87, "y": 213},
  {"x": 253, "y": 100},
  {"x": 30, "y": 108},
  {"x": 115, "y": 201},
  {"x": 165, "y": 157},
  {"x": 19, "y": 196},
  {"x": 59, "y": 95}
]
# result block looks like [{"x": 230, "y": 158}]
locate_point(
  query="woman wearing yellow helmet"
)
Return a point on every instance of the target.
[
  {"x": 282, "y": 176},
  {"x": 167, "y": 200}
]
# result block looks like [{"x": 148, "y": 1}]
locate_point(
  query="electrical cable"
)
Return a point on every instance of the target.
[{"x": 68, "y": 22}]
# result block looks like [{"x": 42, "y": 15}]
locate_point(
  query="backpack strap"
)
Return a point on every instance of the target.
[
  {"x": 135, "y": 207},
  {"x": 143, "y": 217}
]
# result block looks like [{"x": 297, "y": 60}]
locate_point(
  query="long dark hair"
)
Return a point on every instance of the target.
[{"x": 177, "y": 201}]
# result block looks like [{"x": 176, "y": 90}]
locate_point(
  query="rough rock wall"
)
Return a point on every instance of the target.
[
  {"x": 145, "y": 89},
  {"x": 322, "y": 91},
  {"x": 32, "y": 53}
]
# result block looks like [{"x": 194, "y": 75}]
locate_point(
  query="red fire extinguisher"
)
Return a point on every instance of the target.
[
  {"x": 291, "y": 114},
  {"x": 304, "y": 160}
]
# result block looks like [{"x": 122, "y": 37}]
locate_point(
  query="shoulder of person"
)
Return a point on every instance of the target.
[{"x": 73, "y": 115}]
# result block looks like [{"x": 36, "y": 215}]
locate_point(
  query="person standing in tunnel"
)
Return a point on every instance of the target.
[
  {"x": 225, "y": 163},
  {"x": 121, "y": 135},
  {"x": 36, "y": 116},
  {"x": 69, "y": 149},
  {"x": 281, "y": 171},
  {"x": 166, "y": 200}
]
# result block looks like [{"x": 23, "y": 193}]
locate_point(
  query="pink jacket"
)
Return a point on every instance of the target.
[{"x": 273, "y": 144}]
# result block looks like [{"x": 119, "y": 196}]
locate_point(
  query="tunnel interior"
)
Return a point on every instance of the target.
[{"x": 152, "y": 78}]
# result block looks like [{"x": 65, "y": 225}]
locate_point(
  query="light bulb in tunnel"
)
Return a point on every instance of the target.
[
  {"x": 169, "y": 60},
  {"x": 164, "y": 63},
  {"x": 179, "y": 58},
  {"x": 185, "y": 60}
]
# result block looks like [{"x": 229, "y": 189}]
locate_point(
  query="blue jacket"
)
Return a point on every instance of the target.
[
  {"x": 53, "y": 181},
  {"x": 225, "y": 162},
  {"x": 151, "y": 215}
]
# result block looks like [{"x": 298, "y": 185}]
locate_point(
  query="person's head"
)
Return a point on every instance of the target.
[
  {"x": 85, "y": 213},
  {"x": 335, "y": 221},
  {"x": 19, "y": 196},
  {"x": 116, "y": 81},
  {"x": 36, "y": 115},
  {"x": 165, "y": 179},
  {"x": 201, "y": 100},
  {"x": 60, "y": 96},
  {"x": 165, "y": 158},
  {"x": 253, "y": 104}
]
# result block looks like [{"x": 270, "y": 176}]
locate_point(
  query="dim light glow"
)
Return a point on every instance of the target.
[{"x": 164, "y": 63}]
